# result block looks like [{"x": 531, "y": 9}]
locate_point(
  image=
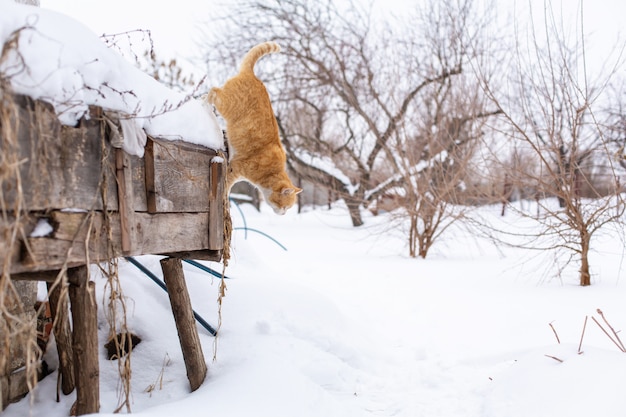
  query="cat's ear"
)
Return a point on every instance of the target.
[{"x": 289, "y": 191}]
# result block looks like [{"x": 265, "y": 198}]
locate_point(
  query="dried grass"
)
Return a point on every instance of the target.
[
  {"x": 18, "y": 338},
  {"x": 228, "y": 231},
  {"x": 16, "y": 327},
  {"x": 158, "y": 384}
]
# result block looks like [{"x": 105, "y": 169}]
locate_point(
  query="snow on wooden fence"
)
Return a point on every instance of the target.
[{"x": 68, "y": 199}]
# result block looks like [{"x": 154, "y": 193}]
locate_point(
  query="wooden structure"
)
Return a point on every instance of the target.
[{"x": 102, "y": 203}]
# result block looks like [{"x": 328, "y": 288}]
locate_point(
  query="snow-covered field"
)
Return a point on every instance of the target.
[{"x": 343, "y": 324}]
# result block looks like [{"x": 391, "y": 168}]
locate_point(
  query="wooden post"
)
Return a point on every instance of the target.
[
  {"x": 216, "y": 203},
  {"x": 185, "y": 324},
  {"x": 62, "y": 334},
  {"x": 125, "y": 199},
  {"x": 85, "y": 341},
  {"x": 151, "y": 194}
]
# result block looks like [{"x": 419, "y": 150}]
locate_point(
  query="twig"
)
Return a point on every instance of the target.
[
  {"x": 555, "y": 334},
  {"x": 554, "y": 357},
  {"x": 612, "y": 330},
  {"x": 159, "y": 380},
  {"x": 582, "y": 335},
  {"x": 607, "y": 333}
]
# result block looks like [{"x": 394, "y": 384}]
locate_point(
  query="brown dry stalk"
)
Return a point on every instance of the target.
[
  {"x": 115, "y": 301},
  {"x": 159, "y": 380},
  {"x": 607, "y": 334},
  {"x": 623, "y": 349},
  {"x": 554, "y": 357},
  {"x": 228, "y": 229},
  {"x": 220, "y": 297},
  {"x": 555, "y": 334},
  {"x": 18, "y": 339}
]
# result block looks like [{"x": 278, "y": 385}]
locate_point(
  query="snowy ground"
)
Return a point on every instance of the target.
[{"x": 344, "y": 324}]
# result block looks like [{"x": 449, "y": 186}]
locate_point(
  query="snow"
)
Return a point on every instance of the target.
[
  {"x": 42, "y": 228},
  {"x": 344, "y": 324},
  {"x": 61, "y": 61}
]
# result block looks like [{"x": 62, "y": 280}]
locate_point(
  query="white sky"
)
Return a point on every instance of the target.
[{"x": 174, "y": 25}]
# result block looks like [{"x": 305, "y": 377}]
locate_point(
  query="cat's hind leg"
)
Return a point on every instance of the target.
[{"x": 213, "y": 96}]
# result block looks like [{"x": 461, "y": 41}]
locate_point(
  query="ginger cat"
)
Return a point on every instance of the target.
[{"x": 255, "y": 151}]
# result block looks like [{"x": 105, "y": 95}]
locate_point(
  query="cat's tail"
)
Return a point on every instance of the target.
[{"x": 256, "y": 53}]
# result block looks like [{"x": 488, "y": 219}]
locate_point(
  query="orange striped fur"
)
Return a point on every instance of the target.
[{"x": 255, "y": 151}]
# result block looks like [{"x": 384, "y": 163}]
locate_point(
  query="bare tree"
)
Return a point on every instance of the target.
[
  {"x": 617, "y": 123},
  {"x": 552, "y": 112},
  {"x": 350, "y": 91},
  {"x": 433, "y": 190}
]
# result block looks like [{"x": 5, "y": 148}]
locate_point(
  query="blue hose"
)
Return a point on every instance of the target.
[
  {"x": 204, "y": 268},
  {"x": 161, "y": 284},
  {"x": 262, "y": 233},
  {"x": 243, "y": 217}
]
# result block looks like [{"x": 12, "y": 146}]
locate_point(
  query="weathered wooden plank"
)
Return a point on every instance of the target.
[
  {"x": 45, "y": 276},
  {"x": 168, "y": 232},
  {"x": 70, "y": 225},
  {"x": 78, "y": 239},
  {"x": 81, "y": 238},
  {"x": 185, "y": 323},
  {"x": 138, "y": 181},
  {"x": 125, "y": 197},
  {"x": 55, "y": 158},
  {"x": 85, "y": 341},
  {"x": 177, "y": 176}
]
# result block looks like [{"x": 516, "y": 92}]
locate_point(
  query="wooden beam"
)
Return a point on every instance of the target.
[
  {"x": 78, "y": 239},
  {"x": 46, "y": 276},
  {"x": 185, "y": 323},
  {"x": 85, "y": 341}
]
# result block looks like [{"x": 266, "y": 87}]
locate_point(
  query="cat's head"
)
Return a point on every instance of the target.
[{"x": 283, "y": 198}]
